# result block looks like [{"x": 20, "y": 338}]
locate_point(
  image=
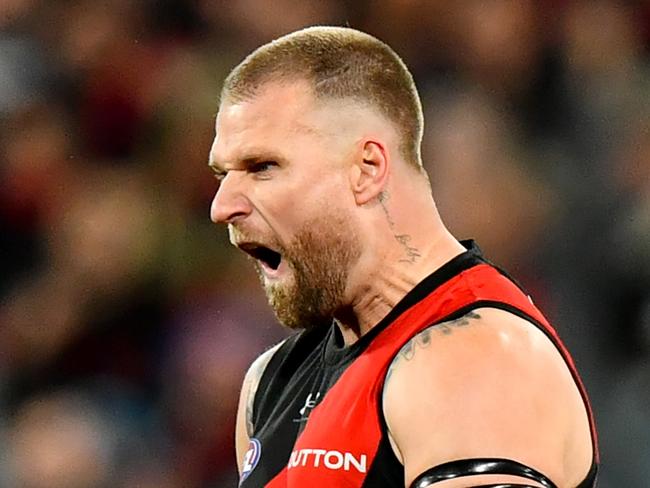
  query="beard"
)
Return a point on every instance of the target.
[{"x": 320, "y": 258}]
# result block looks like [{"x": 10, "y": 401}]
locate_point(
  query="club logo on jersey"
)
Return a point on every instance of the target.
[
  {"x": 334, "y": 460},
  {"x": 310, "y": 403},
  {"x": 251, "y": 458}
]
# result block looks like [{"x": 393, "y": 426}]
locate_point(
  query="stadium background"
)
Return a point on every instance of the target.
[{"x": 126, "y": 321}]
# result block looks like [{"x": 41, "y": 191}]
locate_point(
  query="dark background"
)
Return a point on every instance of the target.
[{"x": 127, "y": 322}]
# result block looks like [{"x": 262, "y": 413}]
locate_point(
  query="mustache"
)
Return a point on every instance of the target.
[{"x": 237, "y": 234}]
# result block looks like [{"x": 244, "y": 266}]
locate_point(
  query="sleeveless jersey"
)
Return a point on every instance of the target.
[{"x": 317, "y": 413}]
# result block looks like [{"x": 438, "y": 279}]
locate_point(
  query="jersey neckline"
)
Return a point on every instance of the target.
[{"x": 335, "y": 352}]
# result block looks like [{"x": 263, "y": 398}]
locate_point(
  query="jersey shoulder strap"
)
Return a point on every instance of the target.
[{"x": 285, "y": 362}]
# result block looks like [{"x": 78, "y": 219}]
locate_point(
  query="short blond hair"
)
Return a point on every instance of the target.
[{"x": 339, "y": 63}]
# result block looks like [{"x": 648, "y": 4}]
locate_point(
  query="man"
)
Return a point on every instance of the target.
[{"x": 415, "y": 362}]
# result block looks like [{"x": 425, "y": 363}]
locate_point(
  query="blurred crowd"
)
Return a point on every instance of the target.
[{"x": 127, "y": 321}]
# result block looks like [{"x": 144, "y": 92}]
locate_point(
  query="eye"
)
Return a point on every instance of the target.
[
  {"x": 261, "y": 166},
  {"x": 219, "y": 174}
]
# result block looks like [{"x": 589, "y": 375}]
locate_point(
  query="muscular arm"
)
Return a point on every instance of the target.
[
  {"x": 244, "y": 426},
  {"x": 487, "y": 385}
]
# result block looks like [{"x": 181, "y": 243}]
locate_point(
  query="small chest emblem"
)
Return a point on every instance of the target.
[
  {"x": 310, "y": 403},
  {"x": 251, "y": 458}
]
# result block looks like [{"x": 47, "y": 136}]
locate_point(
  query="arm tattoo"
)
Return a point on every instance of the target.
[
  {"x": 249, "y": 413},
  {"x": 257, "y": 369},
  {"x": 447, "y": 327},
  {"x": 423, "y": 339},
  {"x": 253, "y": 377}
]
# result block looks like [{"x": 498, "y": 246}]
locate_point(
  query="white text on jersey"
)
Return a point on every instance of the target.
[{"x": 328, "y": 459}]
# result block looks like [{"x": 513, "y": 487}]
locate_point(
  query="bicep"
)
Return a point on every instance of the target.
[
  {"x": 479, "y": 390},
  {"x": 242, "y": 429},
  {"x": 244, "y": 423},
  {"x": 482, "y": 472},
  {"x": 482, "y": 481}
]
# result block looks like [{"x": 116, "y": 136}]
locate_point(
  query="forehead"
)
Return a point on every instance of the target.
[{"x": 277, "y": 112}]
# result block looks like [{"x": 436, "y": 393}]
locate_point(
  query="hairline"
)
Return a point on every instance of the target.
[
  {"x": 286, "y": 79},
  {"x": 261, "y": 67}
]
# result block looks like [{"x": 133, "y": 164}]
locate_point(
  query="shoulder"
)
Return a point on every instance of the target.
[
  {"x": 252, "y": 381},
  {"x": 484, "y": 335},
  {"x": 487, "y": 384},
  {"x": 257, "y": 367},
  {"x": 244, "y": 427}
]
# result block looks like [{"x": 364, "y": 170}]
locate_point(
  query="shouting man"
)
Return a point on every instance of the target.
[{"x": 415, "y": 362}]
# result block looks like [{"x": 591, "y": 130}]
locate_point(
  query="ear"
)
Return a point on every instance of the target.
[{"x": 369, "y": 173}]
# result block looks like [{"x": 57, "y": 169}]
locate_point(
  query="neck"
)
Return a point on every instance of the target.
[{"x": 393, "y": 273}]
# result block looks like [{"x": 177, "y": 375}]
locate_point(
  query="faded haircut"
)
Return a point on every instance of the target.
[{"x": 339, "y": 63}]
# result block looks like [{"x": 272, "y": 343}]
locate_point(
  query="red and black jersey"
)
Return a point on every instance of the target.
[{"x": 317, "y": 413}]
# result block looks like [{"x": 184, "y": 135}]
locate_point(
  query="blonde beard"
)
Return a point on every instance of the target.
[{"x": 320, "y": 258}]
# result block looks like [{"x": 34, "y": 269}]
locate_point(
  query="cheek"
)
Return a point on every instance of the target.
[
  {"x": 278, "y": 208},
  {"x": 327, "y": 189},
  {"x": 287, "y": 204}
]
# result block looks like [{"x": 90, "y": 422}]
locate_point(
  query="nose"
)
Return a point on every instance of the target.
[{"x": 229, "y": 203}]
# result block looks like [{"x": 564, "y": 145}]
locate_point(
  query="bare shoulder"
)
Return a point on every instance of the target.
[
  {"x": 252, "y": 381},
  {"x": 482, "y": 335},
  {"x": 244, "y": 427},
  {"x": 255, "y": 372},
  {"x": 487, "y": 384}
]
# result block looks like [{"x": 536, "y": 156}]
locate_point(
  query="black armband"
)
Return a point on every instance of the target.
[
  {"x": 509, "y": 485},
  {"x": 476, "y": 467}
]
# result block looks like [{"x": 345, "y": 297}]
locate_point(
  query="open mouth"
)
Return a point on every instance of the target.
[{"x": 265, "y": 255}]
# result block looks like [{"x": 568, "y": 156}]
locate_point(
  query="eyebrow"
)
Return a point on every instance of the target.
[
  {"x": 213, "y": 164},
  {"x": 252, "y": 158}
]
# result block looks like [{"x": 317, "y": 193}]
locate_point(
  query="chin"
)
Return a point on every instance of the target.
[{"x": 298, "y": 311}]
